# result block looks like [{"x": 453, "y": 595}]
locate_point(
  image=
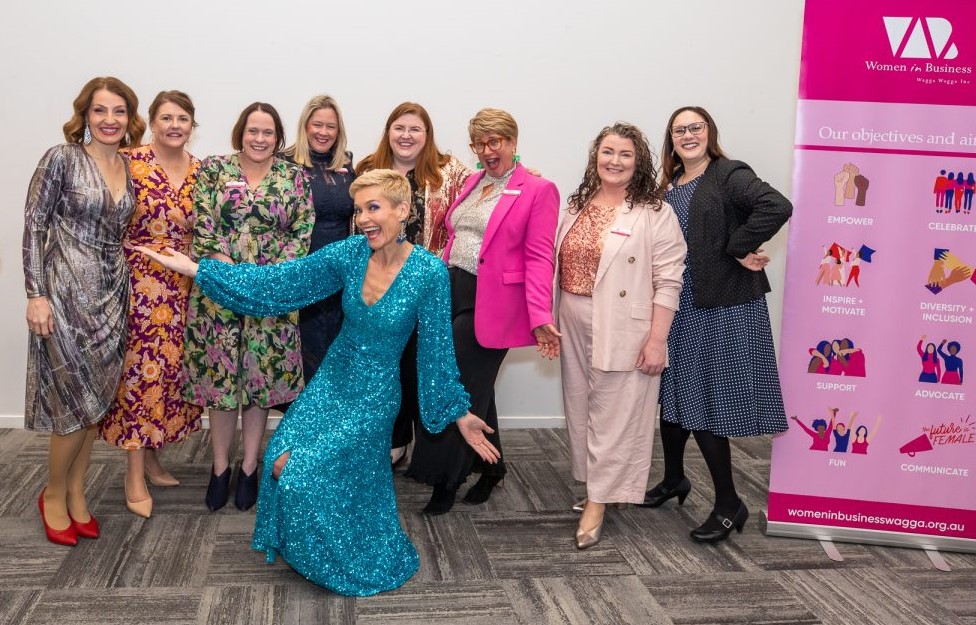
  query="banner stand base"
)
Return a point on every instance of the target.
[
  {"x": 831, "y": 550},
  {"x": 874, "y": 537},
  {"x": 937, "y": 560}
]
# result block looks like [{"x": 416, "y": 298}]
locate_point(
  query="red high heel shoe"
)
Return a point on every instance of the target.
[
  {"x": 85, "y": 530},
  {"x": 67, "y": 537}
]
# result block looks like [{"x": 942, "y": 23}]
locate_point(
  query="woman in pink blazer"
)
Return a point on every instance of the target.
[
  {"x": 500, "y": 258},
  {"x": 620, "y": 256}
]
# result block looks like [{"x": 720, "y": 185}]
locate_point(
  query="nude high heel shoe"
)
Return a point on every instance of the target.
[
  {"x": 163, "y": 479},
  {"x": 587, "y": 538},
  {"x": 141, "y": 508}
]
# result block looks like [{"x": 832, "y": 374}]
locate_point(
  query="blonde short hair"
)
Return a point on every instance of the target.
[
  {"x": 493, "y": 121},
  {"x": 393, "y": 185}
]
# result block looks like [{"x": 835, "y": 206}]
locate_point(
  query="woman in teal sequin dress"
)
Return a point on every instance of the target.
[{"x": 326, "y": 501}]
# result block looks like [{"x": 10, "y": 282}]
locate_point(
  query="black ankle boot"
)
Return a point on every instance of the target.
[
  {"x": 218, "y": 490},
  {"x": 441, "y": 501},
  {"x": 718, "y": 526},
  {"x": 481, "y": 491},
  {"x": 659, "y": 494},
  {"x": 246, "y": 494}
]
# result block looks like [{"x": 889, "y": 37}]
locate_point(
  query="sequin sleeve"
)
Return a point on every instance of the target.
[
  {"x": 269, "y": 290},
  {"x": 443, "y": 399},
  {"x": 42, "y": 197}
]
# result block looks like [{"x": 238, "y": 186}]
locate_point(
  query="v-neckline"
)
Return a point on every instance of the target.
[
  {"x": 101, "y": 176},
  {"x": 392, "y": 282},
  {"x": 162, "y": 170}
]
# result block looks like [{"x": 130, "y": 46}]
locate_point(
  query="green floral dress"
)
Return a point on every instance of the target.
[{"x": 233, "y": 359}]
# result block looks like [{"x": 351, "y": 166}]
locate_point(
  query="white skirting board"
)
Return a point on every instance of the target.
[{"x": 506, "y": 423}]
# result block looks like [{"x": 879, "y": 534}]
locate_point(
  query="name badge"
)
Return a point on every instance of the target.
[
  {"x": 621, "y": 231},
  {"x": 511, "y": 191},
  {"x": 235, "y": 184}
]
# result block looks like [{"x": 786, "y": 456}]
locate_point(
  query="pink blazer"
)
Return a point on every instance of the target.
[{"x": 516, "y": 264}]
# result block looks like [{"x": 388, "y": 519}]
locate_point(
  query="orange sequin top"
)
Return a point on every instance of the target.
[{"x": 579, "y": 254}]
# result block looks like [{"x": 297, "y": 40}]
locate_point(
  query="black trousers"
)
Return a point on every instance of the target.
[{"x": 446, "y": 459}]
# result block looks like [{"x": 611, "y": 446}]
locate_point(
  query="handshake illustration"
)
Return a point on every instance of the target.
[{"x": 849, "y": 184}]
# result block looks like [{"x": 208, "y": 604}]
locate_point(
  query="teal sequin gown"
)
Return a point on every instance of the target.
[{"x": 332, "y": 514}]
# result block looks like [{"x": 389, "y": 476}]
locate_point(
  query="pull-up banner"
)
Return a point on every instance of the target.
[{"x": 878, "y": 317}]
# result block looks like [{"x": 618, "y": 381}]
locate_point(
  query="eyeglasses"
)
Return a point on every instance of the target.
[
  {"x": 694, "y": 129},
  {"x": 405, "y": 130},
  {"x": 478, "y": 147}
]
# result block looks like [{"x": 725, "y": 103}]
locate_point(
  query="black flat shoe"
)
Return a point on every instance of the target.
[
  {"x": 218, "y": 490},
  {"x": 718, "y": 527},
  {"x": 659, "y": 494},
  {"x": 246, "y": 494},
  {"x": 441, "y": 501},
  {"x": 481, "y": 491}
]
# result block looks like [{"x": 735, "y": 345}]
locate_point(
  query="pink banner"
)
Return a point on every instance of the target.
[{"x": 878, "y": 316}]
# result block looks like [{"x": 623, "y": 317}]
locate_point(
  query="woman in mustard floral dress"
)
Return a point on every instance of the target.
[
  {"x": 251, "y": 207},
  {"x": 149, "y": 410}
]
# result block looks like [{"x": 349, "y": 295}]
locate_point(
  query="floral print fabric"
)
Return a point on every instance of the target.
[
  {"x": 229, "y": 358},
  {"x": 149, "y": 410}
]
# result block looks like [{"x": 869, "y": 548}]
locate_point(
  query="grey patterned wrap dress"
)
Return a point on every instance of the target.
[{"x": 73, "y": 232}]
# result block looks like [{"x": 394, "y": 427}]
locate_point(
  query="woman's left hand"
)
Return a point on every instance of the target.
[
  {"x": 652, "y": 357},
  {"x": 754, "y": 261},
  {"x": 473, "y": 430},
  {"x": 547, "y": 340}
]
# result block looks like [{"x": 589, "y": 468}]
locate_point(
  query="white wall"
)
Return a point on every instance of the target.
[{"x": 564, "y": 70}]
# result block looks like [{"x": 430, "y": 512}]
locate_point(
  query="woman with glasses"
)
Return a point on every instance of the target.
[
  {"x": 499, "y": 255},
  {"x": 436, "y": 180},
  {"x": 722, "y": 379},
  {"x": 620, "y": 256}
]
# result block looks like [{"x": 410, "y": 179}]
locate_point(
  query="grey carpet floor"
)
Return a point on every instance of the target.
[{"x": 510, "y": 561}]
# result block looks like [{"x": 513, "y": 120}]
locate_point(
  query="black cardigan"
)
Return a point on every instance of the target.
[{"x": 732, "y": 213}]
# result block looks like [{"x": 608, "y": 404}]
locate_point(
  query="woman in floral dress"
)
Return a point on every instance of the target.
[
  {"x": 149, "y": 410},
  {"x": 252, "y": 207}
]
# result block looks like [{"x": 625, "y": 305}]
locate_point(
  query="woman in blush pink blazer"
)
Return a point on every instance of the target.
[
  {"x": 500, "y": 258},
  {"x": 620, "y": 257}
]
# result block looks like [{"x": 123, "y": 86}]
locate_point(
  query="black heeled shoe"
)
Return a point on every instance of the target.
[
  {"x": 246, "y": 494},
  {"x": 481, "y": 491},
  {"x": 441, "y": 501},
  {"x": 718, "y": 527},
  {"x": 659, "y": 494},
  {"x": 218, "y": 490}
]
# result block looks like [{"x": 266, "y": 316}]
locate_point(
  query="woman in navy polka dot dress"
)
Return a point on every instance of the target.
[{"x": 722, "y": 379}]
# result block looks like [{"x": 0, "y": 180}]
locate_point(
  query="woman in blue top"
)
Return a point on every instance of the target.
[{"x": 326, "y": 500}]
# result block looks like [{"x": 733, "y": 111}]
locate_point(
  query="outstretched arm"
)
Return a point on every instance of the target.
[
  {"x": 874, "y": 430},
  {"x": 263, "y": 291}
]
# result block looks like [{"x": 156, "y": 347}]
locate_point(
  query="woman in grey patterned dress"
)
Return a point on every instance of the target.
[{"x": 78, "y": 206}]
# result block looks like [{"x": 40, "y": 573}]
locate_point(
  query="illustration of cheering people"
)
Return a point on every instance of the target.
[
  {"x": 951, "y": 362},
  {"x": 931, "y": 368},
  {"x": 820, "y": 433},
  {"x": 842, "y": 434},
  {"x": 838, "y": 262},
  {"x": 863, "y": 436}
]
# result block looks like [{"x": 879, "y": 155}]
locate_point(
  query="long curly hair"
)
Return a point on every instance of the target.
[
  {"x": 74, "y": 128},
  {"x": 643, "y": 187}
]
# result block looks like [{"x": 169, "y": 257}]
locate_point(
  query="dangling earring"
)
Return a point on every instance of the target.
[
  {"x": 402, "y": 237},
  {"x": 478, "y": 165},
  {"x": 516, "y": 158},
  {"x": 87, "y": 138}
]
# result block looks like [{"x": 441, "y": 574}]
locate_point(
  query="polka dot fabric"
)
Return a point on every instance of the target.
[{"x": 722, "y": 374}]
